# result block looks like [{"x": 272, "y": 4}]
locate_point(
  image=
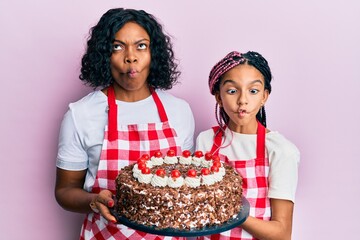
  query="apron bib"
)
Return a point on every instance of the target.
[
  {"x": 255, "y": 174},
  {"x": 122, "y": 146}
]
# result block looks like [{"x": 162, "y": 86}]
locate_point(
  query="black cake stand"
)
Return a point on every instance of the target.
[{"x": 239, "y": 219}]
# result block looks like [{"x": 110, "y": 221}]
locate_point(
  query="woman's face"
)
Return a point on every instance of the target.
[
  {"x": 131, "y": 58},
  {"x": 242, "y": 93}
]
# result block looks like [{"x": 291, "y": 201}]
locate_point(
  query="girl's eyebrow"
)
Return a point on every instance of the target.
[
  {"x": 137, "y": 42},
  {"x": 252, "y": 82}
]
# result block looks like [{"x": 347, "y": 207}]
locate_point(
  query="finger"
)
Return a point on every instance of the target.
[
  {"x": 105, "y": 197},
  {"x": 105, "y": 212}
]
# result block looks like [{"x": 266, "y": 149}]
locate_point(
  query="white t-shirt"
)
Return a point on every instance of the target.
[
  {"x": 82, "y": 129},
  {"x": 284, "y": 157}
]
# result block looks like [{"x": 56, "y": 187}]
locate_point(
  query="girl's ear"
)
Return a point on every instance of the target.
[
  {"x": 265, "y": 98},
  {"x": 218, "y": 99}
]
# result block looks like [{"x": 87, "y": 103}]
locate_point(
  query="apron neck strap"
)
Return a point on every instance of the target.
[
  {"x": 260, "y": 141},
  {"x": 112, "y": 113},
  {"x": 159, "y": 105}
]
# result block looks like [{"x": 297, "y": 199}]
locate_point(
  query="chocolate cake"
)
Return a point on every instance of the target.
[{"x": 183, "y": 192}]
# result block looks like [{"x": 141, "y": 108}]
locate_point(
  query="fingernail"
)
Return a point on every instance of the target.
[
  {"x": 113, "y": 221},
  {"x": 110, "y": 203}
]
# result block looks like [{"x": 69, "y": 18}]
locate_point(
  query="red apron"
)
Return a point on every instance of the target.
[
  {"x": 122, "y": 146},
  {"x": 255, "y": 174}
]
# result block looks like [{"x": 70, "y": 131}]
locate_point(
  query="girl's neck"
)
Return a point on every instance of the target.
[{"x": 248, "y": 128}]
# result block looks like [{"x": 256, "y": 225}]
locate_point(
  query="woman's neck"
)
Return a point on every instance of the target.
[{"x": 131, "y": 95}]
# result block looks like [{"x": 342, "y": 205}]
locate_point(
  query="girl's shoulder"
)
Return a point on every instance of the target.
[{"x": 276, "y": 142}]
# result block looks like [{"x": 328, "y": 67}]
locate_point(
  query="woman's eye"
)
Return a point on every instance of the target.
[
  {"x": 117, "y": 47},
  {"x": 231, "y": 91},
  {"x": 142, "y": 46},
  {"x": 254, "y": 91}
]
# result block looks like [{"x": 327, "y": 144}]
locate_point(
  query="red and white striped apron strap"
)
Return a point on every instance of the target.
[
  {"x": 260, "y": 142},
  {"x": 112, "y": 114},
  {"x": 217, "y": 140},
  {"x": 159, "y": 105}
]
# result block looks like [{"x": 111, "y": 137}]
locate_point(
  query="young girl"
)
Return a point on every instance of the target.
[
  {"x": 266, "y": 160},
  {"x": 131, "y": 59}
]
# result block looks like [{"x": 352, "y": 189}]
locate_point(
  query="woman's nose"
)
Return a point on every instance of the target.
[{"x": 130, "y": 56}]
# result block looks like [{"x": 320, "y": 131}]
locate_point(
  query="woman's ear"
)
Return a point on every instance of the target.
[{"x": 218, "y": 99}]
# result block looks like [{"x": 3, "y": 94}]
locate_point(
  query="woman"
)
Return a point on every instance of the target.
[{"x": 131, "y": 59}]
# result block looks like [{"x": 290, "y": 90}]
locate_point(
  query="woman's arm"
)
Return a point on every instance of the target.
[
  {"x": 70, "y": 194},
  {"x": 280, "y": 225}
]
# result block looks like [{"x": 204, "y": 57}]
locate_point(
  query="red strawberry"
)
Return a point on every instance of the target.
[
  {"x": 208, "y": 156},
  {"x": 158, "y": 154},
  {"x": 175, "y": 173},
  {"x": 186, "y": 153},
  {"x": 145, "y": 170},
  {"x": 141, "y": 165},
  {"x": 198, "y": 154},
  {"x": 215, "y": 158},
  {"x": 191, "y": 173},
  {"x": 145, "y": 156},
  {"x": 141, "y": 160},
  {"x": 160, "y": 172},
  {"x": 216, "y": 164},
  {"x": 205, "y": 171},
  {"x": 171, "y": 153},
  {"x": 214, "y": 168}
]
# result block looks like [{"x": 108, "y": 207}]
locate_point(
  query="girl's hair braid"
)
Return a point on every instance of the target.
[{"x": 230, "y": 61}]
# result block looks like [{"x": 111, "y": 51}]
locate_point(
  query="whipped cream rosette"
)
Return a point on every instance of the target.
[
  {"x": 192, "y": 180},
  {"x": 157, "y": 159},
  {"x": 185, "y": 158}
]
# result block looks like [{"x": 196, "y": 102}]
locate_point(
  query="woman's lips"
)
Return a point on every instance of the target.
[{"x": 132, "y": 73}]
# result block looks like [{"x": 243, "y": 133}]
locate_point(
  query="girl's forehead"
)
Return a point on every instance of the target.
[{"x": 243, "y": 71}]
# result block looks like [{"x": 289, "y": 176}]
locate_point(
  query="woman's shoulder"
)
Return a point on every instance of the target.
[
  {"x": 171, "y": 100},
  {"x": 92, "y": 100}
]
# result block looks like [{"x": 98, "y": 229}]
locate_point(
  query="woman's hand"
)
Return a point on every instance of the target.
[
  {"x": 101, "y": 204},
  {"x": 71, "y": 196}
]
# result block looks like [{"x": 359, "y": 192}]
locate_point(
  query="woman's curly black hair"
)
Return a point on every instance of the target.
[{"x": 95, "y": 69}]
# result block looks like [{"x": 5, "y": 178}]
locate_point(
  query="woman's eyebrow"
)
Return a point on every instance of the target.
[{"x": 136, "y": 42}]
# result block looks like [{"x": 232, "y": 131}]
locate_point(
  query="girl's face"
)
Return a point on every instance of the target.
[
  {"x": 242, "y": 93},
  {"x": 130, "y": 59}
]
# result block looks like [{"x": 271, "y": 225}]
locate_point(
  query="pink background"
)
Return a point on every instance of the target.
[{"x": 313, "y": 49}]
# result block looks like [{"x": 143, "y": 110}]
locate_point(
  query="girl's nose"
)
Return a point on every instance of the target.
[{"x": 242, "y": 100}]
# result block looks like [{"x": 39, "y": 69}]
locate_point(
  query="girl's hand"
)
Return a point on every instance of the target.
[{"x": 101, "y": 204}]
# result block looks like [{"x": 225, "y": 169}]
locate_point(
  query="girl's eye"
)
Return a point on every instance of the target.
[
  {"x": 254, "y": 91},
  {"x": 231, "y": 91},
  {"x": 142, "y": 46},
  {"x": 117, "y": 47}
]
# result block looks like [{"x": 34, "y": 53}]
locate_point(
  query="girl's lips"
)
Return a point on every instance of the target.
[{"x": 242, "y": 113}]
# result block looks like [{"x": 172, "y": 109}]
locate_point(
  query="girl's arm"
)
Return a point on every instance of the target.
[
  {"x": 280, "y": 225},
  {"x": 71, "y": 196}
]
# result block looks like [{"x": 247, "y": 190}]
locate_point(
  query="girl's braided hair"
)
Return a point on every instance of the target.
[{"x": 230, "y": 61}]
